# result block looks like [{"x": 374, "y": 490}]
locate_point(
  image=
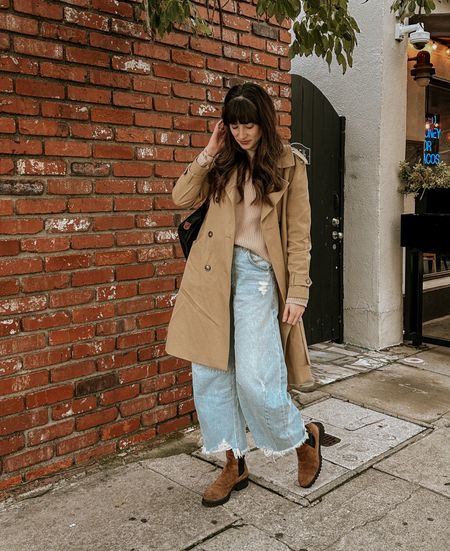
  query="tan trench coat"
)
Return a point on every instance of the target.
[{"x": 199, "y": 329}]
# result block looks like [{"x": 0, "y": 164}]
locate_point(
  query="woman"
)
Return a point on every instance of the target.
[{"x": 238, "y": 312}]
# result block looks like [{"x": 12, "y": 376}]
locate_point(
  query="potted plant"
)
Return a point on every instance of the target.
[{"x": 430, "y": 186}]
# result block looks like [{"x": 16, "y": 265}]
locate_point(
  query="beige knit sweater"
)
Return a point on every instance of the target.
[{"x": 248, "y": 231}]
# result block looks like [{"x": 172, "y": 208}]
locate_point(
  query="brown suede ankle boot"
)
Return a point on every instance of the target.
[
  {"x": 309, "y": 455},
  {"x": 234, "y": 476}
]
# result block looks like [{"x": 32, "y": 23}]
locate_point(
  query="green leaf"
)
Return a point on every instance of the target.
[{"x": 325, "y": 28}]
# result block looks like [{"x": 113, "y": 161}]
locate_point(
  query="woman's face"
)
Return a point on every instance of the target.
[{"x": 246, "y": 135}]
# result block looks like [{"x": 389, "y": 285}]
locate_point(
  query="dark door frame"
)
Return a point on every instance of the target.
[{"x": 319, "y": 132}]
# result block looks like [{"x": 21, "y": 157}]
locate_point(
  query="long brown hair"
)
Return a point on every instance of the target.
[{"x": 248, "y": 103}]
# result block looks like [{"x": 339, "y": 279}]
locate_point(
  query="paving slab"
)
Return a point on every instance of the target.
[
  {"x": 242, "y": 537},
  {"x": 324, "y": 355},
  {"x": 367, "y": 363},
  {"x": 419, "y": 523},
  {"x": 328, "y": 373},
  {"x": 129, "y": 507},
  {"x": 320, "y": 346},
  {"x": 364, "y": 434},
  {"x": 374, "y": 511},
  {"x": 425, "y": 462},
  {"x": 436, "y": 360},
  {"x": 281, "y": 475},
  {"x": 339, "y": 413},
  {"x": 397, "y": 389},
  {"x": 302, "y": 399},
  {"x": 342, "y": 350},
  {"x": 185, "y": 470}
]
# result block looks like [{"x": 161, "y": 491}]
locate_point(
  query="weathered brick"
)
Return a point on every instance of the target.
[
  {"x": 14, "y": 23},
  {"x": 113, "y": 6},
  {"x": 86, "y": 19},
  {"x": 87, "y": 57},
  {"x": 112, "y": 43},
  {"x": 170, "y": 71},
  {"x": 77, "y": 442},
  {"x": 72, "y": 371},
  {"x": 43, "y": 127},
  {"x": 23, "y": 421},
  {"x": 72, "y": 334},
  {"x": 39, "y": 7},
  {"x": 9, "y": 406},
  {"x": 48, "y": 469},
  {"x": 45, "y": 434},
  {"x": 45, "y": 282},
  {"x": 120, "y": 428},
  {"x": 25, "y": 459},
  {"x": 132, "y": 169},
  {"x": 92, "y": 277},
  {"x": 37, "y": 48},
  {"x": 46, "y": 357},
  {"x": 94, "y": 384},
  {"x": 29, "y": 87},
  {"x": 65, "y": 33},
  {"x": 131, "y": 65},
  {"x": 41, "y": 167},
  {"x": 106, "y": 78},
  {"x": 11, "y": 444},
  {"x": 159, "y": 415},
  {"x": 56, "y": 319},
  {"x": 133, "y": 439},
  {"x": 174, "y": 425},
  {"x": 97, "y": 451},
  {"x": 74, "y": 407},
  {"x": 91, "y": 95},
  {"x": 72, "y": 297},
  {"x": 14, "y": 64},
  {"x": 97, "y": 418},
  {"x": 137, "y": 405}
]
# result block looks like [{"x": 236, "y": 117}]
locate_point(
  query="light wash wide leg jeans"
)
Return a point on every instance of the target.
[{"x": 253, "y": 390}]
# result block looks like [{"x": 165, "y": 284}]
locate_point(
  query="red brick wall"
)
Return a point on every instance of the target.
[{"x": 96, "y": 121}]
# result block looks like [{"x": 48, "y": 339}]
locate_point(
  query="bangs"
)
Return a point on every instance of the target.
[{"x": 240, "y": 110}]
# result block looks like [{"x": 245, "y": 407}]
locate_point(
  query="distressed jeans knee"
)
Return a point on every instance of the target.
[{"x": 253, "y": 391}]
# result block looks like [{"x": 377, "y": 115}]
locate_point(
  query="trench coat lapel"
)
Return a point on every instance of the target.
[
  {"x": 286, "y": 160},
  {"x": 275, "y": 196},
  {"x": 231, "y": 187}
]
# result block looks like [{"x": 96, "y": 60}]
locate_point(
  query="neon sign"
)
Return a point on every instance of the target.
[{"x": 433, "y": 131}]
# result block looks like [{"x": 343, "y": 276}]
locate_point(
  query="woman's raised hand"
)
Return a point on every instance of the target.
[{"x": 217, "y": 139}]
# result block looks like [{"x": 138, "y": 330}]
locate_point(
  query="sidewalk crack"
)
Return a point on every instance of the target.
[{"x": 369, "y": 521}]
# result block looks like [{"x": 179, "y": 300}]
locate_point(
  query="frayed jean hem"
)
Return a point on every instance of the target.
[{"x": 223, "y": 447}]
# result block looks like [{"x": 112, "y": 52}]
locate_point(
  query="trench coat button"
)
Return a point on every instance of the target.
[
  {"x": 207, "y": 267},
  {"x": 210, "y": 234},
  {"x": 308, "y": 280}
]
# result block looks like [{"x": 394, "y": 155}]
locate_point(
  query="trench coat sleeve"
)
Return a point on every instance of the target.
[
  {"x": 191, "y": 188},
  {"x": 298, "y": 215}
]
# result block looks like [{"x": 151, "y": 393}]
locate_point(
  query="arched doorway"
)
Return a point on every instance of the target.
[{"x": 319, "y": 132}]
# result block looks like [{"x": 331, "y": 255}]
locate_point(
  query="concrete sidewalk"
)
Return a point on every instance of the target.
[{"x": 384, "y": 485}]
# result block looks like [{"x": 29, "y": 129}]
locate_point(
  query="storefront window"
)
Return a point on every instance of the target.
[{"x": 438, "y": 102}]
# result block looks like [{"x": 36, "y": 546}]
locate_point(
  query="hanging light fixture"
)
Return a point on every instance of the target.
[{"x": 423, "y": 69}]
